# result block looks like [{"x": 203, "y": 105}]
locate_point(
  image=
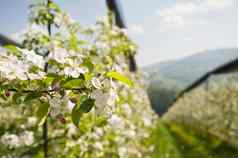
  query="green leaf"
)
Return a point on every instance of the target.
[
  {"x": 82, "y": 42},
  {"x": 73, "y": 42},
  {"x": 16, "y": 98},
  {"x": 87, "y": 63},
  {"x": 34, "y": 69},
  {"x": 13, "y": 49},
  {"x": 55, "y": 7},
  {"x": 48, "y": 80},
  {"x": 2, "y": 93},
  {"x": 76, "y": 115},
  {"x": 101, "y": 121},
  {"x": 43, "y": 112},
  {"x": 119, "y": 77},
  {"x": 32, "y": 96},
  {"x": 73, "y": 83},
  {"x": 86, "y": 105}
]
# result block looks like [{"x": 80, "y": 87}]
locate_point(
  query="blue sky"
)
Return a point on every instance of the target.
[{"x": 163, "y": 29}]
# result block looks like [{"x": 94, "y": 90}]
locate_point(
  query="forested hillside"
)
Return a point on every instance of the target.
[{"x": 168, "y": 79}]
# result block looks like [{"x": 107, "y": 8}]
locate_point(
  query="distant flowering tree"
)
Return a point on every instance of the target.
[{"x": 78, "y": 79}]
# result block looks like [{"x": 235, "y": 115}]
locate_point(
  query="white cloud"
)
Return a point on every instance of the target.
[
  {"x": 136, "y": 29},
  {"x": 218, "y": 4},
  {"x": 181, "y": 13}
]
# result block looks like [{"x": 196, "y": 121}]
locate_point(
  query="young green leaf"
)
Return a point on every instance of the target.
[
  {"x": 86, "y": 105},
  {"x": 13, "y": 49},
  {"x": 87, "y": 63},
  {"x": 32, "y": 96},
  {"x": 42, "y": 112},
  {"x": 73, "y": 83},
  {"x": 48, "y": 80},
  {"x": 2, "y": 93},
  {"x": 119, "y": 77},
  {"x": 76, "y": 115},
  {"x": 16, "y": 98},
  {"x": 73, "y": 42}
]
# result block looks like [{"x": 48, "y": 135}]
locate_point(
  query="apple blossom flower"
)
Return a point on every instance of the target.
[
  {"x": 70, "y": 105},
  {"x": 55, "y": 103},
  {"x": 11, "y": 140},
  {"x": 96, "y": 83},
  {"x": 75, "y": 72},
  {"x": 31, "y": 121},
  {"x": 126, "y": 107},
  {"x": 122, "y": 151},
  {"x": 63, "y": 20},
  {"x": 32, "y": 57},
  {"x": 36, "y": 76},
  {"x": 60, "y": 55},
  {"x": 98, "y": 145},
  {"x": 72, "y": 130},
  {"x": 100, "y": 99},
  {"x": 27, "y": 138},
  {"x": 116, "y": 122},
  {"x": 12, "y": 68},
  {"x": 112, "y": 97}
]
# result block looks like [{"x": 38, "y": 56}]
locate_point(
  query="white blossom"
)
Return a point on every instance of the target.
[
  {"x": 130, "y": 133},
  {"x": 60, "y": 55},
  {"x": 11, "y": 140},
  {"x": 147, "y": 121},
  {"x": 12, "y": 68},
  {"x": 116, "y": 122},
  {"x": 122, "y": 152},
  {"x": 99, "y": 132},
  {"x": 112, "y": 97},
  {"x": 75, "y": 72},
  {"x": 31, "y": 121},
  {"x": 27, "y": 138},
  {"x": 70, "y": 105},
  {"x": 32, "y": 57},
  {"x": 100, "y": 99},
  {"x": 36, "y": 76},
  {"x": 96, "y": 83},
  {"x": 55, "y": 103},
  {"x": 63, "y": 20},
  {"x": 72, "y": 130},
  {"x": 126, "y": 107},
  {"x": 98, "y": 145}
]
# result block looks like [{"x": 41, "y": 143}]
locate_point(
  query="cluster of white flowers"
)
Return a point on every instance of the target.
[
  {"x": 55, "y": 104},
  {"x": 14, "y": 141},
  {"x": 129, "y": 123},
  {"x": 31, "y": 121},
  {"x": 13, "y": 67},
  {"x": 116, "y": 122},
  {"x": 96, "y": 83},
  {"x": 59, "y": 55},
  {"x": 72, "y": 61},
  {"x": 75, "y": 72},
  {"x": 121, "y": 118},
  {"x": 104, "y": 100},
  {"x": 63, "y": 20},
  {"x": 33, "y": 30}
]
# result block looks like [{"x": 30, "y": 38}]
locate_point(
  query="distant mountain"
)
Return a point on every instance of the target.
[{"x": 168, "y": 79}]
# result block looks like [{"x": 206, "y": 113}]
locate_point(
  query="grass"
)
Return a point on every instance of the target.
[{"x": 179, "y": 141}]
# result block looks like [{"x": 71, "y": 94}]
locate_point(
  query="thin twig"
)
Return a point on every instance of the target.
[
  {"x": 45, "y": 125},
  {"x": 46, "y": 91}
]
